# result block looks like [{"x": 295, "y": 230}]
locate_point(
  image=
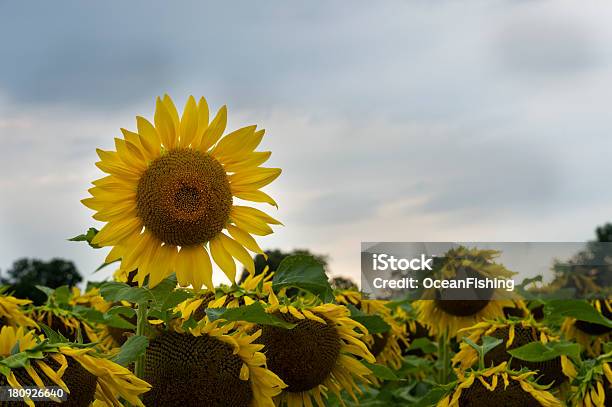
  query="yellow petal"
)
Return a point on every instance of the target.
[
  {"x": 244, "y": 239},
  {"x": 162, "y": 265},
  {"x": 238, "y": 252},
  {"x": 256, "y": 196},
  {"x": 193, "y": 267},
  {"x": 189, "y": 123},
  {"x": 233, "y": 142},
  {"x": 149, "y": 137},
  {"x": 202, "y": 122},
  {"x": 215, "y": 130},
  {"x": 223, "y": 259},
  {"x": 115, "y": 232},
  {"x": 171, "y": 107},
  {"x": 164, "y": 124}
]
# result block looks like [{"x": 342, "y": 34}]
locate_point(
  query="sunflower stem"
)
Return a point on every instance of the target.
[
  {"x": 141, "y": 323},
  {"x": 443, "y": 353}
]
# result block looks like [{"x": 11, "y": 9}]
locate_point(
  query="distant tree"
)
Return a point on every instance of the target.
[
  {"x": 604, "y": 233},
  {"x": 343, "y": 283},
  {"x": 275, "y": 257},
  {"x": 26, "y": 274}
]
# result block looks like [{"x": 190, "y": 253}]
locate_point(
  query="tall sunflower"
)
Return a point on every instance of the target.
[
  {"x": 170, "y": 193},
  {"x": 319, "y": 354},
  {"x": 589, "y": 335},
  {"x": 443, "y": 314},
  {"x": 499, "y": 386},
  {"x": 214, "y": 364},
  {"x": 78, "y": 370},
  {"x": 514, "y": 334}
]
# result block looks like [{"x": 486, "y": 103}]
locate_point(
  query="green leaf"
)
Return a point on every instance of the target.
[
  {"x": 134, "y": 347},
  {"x": 579, "y": 309},
  {"x": 62, "y": 294},
  {"x": 87, "y": 237},
  {"x": 540, "y": 352},
  {"x": 17, "y": 360},
  {"x": 434, "y": 395},
  {"x": 489, "y": 343},
  {"x": 175, "y": 298},
  {"x": 373, "y": 323},
  {"x": 304, "y": 272},
  {"x": 251, "y": 313},
  {"x": 114, "y": 291},
  {"x": 48, "y": 291},
  {"x": 381, "y": 371},
  {"x": 162, "y": 290},
  {"x": 423, "y": 344},
  {"x": 51, "y": 335}
]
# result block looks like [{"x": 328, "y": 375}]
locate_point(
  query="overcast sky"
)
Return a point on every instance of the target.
[{"x": 392, "y": 120}]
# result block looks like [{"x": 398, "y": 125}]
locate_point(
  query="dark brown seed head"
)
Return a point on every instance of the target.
[
  {"x": 184, "y": 197},
  {"x": 513, "y": 396},
  {"x": 187, "y": 370},
  {"x": 303, "y": 357}
]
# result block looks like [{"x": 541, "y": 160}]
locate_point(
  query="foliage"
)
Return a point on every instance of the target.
[{"x": 26, "y": 274}]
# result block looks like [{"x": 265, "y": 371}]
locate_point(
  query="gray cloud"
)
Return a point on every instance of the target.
[{"x": 400, "y": 121}]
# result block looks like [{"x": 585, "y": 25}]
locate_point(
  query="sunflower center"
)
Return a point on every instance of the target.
[
  {"x": 595, "y": 329},
  {"x": 80, "y": 382},
  {"x": 303, "y": 357},
  {"x": 478, "y": 395},
  {"x": 184, "y": 197},
  {"x": 464, "y": 302},
  {"x": 549, "y": 370},
  {"x": 187, "y": 370},
  {"x": 379, "y": 342}
]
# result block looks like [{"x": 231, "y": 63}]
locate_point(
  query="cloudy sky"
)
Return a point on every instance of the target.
[{"x": 392, "y": 120}]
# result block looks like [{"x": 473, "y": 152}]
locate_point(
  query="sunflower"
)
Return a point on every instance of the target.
[
  {"x": 442, "y": 315},
  {"x": 386, "y": 346},
  {"x": 72, "y": 325},
  {"x": 11, "y": 312},
  {"x": 170, "y": 195},
  {"x": 76, "y": 369},
  {"x": 592, "y": 383},
  {"x": 589, "y": 335},
  {"x": 90, "y": 299},
  {"x": 318, "y": 355},
  {"x": 412, "y": 329},
  {"x": 514, "y": 333},
  {"x": 499, "y": 386},
  {"x": 214, "y": 364}
]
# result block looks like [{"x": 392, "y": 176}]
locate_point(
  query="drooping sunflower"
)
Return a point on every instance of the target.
[
  {"x": 318, "y": 355},
  {"x": 412, "y": 329},
  {"x": 170, "y": 195},
  {"x": 499, "y": 386},
  {"x": 591, "y": 384},
  {"x": 253, "y": 288},
  {"x": 445, "y": 312},
  {"x": 71, "y": 325},
  {"x": 514, "y": 334},
  {"x": 78, "y": 370},
  {"x": 386, "y": 346},
  {"x": 214, "y": 364},
  {"x": 11, "y": 312},
  {"x": 90, "y": 298},
  {"x": 589, "y": 335}
]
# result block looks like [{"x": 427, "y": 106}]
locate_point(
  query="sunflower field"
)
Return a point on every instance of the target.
[{"x": 178, "y": 196}]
